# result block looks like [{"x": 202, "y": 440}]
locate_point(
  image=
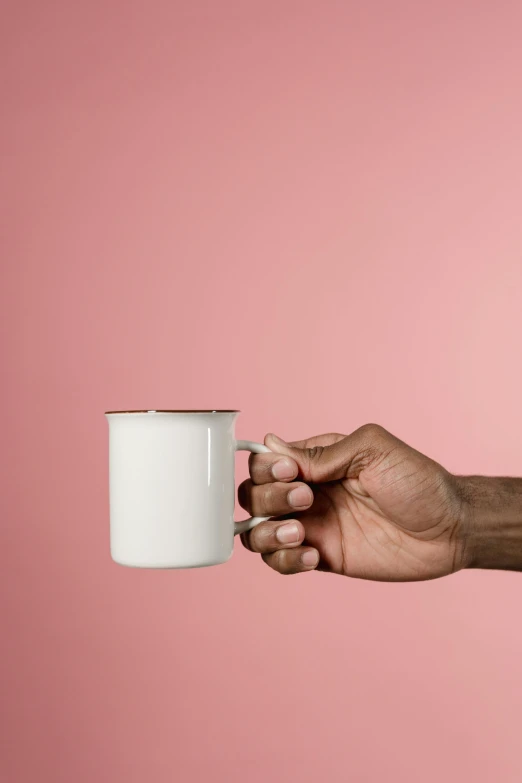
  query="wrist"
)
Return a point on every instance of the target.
[{"x": 491, "y": 522}]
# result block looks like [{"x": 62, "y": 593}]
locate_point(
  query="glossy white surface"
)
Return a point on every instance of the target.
[{"x": 172, "y": 488}]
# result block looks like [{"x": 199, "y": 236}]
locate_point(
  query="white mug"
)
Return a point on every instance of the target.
[{"x": 172, "y": 488}]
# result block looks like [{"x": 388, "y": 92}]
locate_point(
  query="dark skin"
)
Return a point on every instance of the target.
[{"x": 372, "y": 507}]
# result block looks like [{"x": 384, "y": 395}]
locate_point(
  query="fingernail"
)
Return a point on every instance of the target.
[
  {"x": 283, "y": 469},
  {"x": 288, "y": 534},
  {"x": 310, "y": 558},
  {"x": 300, "y": 497}
]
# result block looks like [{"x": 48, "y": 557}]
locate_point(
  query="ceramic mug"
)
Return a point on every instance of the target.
[{"x": 172, "y": 487}]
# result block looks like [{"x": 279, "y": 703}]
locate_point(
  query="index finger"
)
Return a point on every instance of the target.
[
  {"x": 328, "y": 439},
  {"x": 265, "y": 468}
]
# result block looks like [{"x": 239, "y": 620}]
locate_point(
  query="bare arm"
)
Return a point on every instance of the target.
[{"x": 493, "y": 522}]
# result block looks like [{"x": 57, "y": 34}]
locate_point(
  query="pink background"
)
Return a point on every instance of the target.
[{"x": 312, "y": 212}]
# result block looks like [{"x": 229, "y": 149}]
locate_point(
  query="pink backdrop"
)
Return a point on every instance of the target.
[{"x": 309, "y": 211}]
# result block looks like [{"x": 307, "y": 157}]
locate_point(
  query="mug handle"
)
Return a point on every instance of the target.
[{"x": 255, "y": 448}]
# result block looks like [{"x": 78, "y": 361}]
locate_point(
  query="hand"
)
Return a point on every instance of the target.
[{"x": 364, "y": 505}]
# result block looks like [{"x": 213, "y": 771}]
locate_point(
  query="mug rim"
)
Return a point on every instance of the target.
[{"x": 157, "y": 410}]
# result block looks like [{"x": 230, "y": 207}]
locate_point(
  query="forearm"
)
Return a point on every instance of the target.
[{"x": 492, "y": 522}]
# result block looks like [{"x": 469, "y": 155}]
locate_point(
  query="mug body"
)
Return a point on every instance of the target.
[{"x": 171, "y": 486}]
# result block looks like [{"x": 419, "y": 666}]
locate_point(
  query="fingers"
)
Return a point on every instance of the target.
[
  {"x": 328, "y": 458},
  {"x": 276, "y": 499},
  {"x": 273, "y": 535},
  {"x": 293, "y": 561},
  {"x": 265, "y": 468},
  {"x": 280, "y": 544}
]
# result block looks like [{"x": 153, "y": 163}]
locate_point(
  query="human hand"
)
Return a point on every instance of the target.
[{"x": 364, "y": 505}]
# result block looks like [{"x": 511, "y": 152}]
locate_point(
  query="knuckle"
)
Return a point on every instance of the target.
[
  {"x": 313, "y": 457},
  {"x": 282, "y": 564},
  {"x": 314, "y": 452},
  {"x": 247, "y": 541},
  {"x": 375, "y": 439},
  {"x": 372, "y": 430},
  {"x": 267, "y": 499},
  {"x": 259, "y": 466},
  {"x": 277, "y": 561},
  {"x": 253, "y": 460},
  {"x": 258, "y": 537}
]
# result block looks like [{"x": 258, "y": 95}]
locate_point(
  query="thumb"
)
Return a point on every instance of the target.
[{"x": 346, "y": 458}]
